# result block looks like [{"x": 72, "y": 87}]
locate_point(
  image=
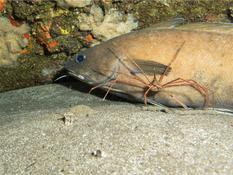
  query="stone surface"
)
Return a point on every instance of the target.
[
  {"x": 11, "y": 41},
  {"x": 107, "y": 26},
  {"x": 74, "y": 3},
  {"x": 114, "y": 138}
]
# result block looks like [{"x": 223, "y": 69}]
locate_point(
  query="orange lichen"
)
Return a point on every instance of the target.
[
  {"x": 24, "y": 52},
  {"x": 14, "y": 22},
  {"x": 44, "y": 37},
  {"x": 89, "y": 38},
  {"x": 21, "y": 52},
  {"x": 27, "y": 36},
  {"x": 2, "y": 5},
  {"x": 29, "y": 46},
  {"x": 52, "y": 44},
  {"x": 45, "y": 30}
]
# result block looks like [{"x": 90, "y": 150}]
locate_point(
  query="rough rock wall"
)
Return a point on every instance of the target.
[{"x": 60, "y": 28}]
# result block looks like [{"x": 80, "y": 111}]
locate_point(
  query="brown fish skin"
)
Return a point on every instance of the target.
[{"x": 206, "y": 57}]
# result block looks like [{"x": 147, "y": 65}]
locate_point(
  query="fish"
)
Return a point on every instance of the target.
[{"x": 188, "y": 65}]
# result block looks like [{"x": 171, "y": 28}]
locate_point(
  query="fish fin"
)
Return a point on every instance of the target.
[
  {"x": 221, "y": 111},
  {"x": 169, "y": 24},
  {"x": 151, "y": 67}
]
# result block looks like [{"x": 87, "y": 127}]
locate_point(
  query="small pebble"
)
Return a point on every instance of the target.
[
  {"x": 97, "y": 153},
  {"x": 76, "y": 112}
]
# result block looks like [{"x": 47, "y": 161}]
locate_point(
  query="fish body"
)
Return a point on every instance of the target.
[{"x": 129, "y": 63}]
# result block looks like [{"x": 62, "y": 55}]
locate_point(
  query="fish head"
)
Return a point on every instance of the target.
[{"x": 93, "y": 66}]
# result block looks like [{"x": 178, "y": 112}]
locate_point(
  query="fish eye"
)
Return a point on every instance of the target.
[{"x": 80, "y": 58}]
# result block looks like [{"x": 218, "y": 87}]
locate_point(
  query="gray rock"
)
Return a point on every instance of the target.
[
  {"x": 113, "y": 24},
  {"x": 114, "y": 138},
  {"x": 11, "y": 41},
  {"x": 74, "y": 3}
]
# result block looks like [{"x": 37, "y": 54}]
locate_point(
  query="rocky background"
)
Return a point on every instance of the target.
[
  {"x": 37, "y": 36},
  {"x": 52, "y": 129}
]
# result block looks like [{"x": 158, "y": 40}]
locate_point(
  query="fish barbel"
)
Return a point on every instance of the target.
[{"x": 200, "y": 52}]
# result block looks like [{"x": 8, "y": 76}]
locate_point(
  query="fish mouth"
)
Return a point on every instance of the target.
[
  {"x": 88, "y": 80},
  {"x": 81, "y": 77}
]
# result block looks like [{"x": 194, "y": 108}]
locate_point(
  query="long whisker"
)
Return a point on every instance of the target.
[
  {"x": 173, "y": 59},
  {"x": 109, "y": 88},
  {"x": 61, "y": 77},
  {"x": 107, "y": 80},
  {"x": 182, "y": 82},
  {"x": 140, "y": 69},
  {"x": 121, "y": 61},
  {"x": 129, "y": 75},
  {"x": 95, "y": 87},
  {"x": 178, "y": 101}
]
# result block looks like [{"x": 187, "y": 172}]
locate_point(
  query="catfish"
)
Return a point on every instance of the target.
[{"x": 187, "y": 65}]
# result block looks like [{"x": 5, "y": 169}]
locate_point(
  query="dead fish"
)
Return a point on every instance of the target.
[{"x": 184, "y": 66}]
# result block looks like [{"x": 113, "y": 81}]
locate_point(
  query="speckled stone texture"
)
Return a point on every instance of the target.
[{"x": 56, "y": 130}]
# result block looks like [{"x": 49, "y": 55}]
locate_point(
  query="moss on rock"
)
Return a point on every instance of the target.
[
  {"x": 63, "y": 29},
  {"x": 149, "y": 12},
  {"x": 32, "y": 10},
  {"x": 31, "y": 71}
]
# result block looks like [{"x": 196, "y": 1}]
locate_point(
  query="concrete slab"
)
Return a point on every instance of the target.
[{"x": 56, "y": 130}]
